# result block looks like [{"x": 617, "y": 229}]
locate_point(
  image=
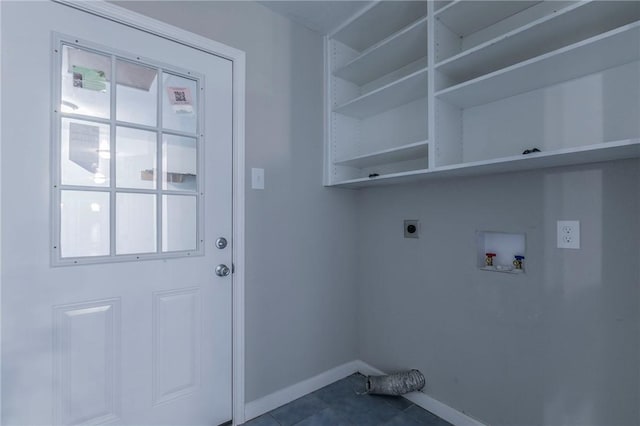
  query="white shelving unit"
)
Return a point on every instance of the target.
[
  {"x": 500, "y": 77},
  {"x": 377, "y": 79}
]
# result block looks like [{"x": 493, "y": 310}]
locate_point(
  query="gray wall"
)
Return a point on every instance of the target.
[
  {"x": 559, "y": 345},
  {"x": 556, "y": 346},
  {"x": 300, "y": 259}
]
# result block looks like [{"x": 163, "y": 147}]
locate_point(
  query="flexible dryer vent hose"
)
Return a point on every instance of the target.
[{"x": 396, "y": 384}]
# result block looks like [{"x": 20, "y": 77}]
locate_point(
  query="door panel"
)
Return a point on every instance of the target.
[
  {"x": 86, "y": 341},
  {"x": 142, "y": 342},
  {"x": 176, "y": 344}
]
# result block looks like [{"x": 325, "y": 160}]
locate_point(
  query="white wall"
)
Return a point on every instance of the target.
[
  {"x": 300, "y": 263},
  {"x": 556, "y": 346}
]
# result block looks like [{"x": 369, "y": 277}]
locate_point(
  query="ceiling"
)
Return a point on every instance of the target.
[{"x": 319, "y": 16}]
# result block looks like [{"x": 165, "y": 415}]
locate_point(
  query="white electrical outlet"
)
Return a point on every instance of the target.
[{"x": 569, "y": 234}]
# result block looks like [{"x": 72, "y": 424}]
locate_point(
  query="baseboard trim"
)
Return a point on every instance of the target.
[
  {"x": 279, "y": 398},
  {"x": 423, "y": 400}
]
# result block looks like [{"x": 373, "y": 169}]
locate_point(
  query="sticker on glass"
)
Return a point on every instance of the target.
[
  {"x": 180, "y": 99},
  {"x": 90, "y": 79}
]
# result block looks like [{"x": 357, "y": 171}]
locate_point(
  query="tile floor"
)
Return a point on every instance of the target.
[{"x": 340, "y": 405}]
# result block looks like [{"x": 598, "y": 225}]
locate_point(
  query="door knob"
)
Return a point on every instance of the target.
[{"x": 222, "y": 270}]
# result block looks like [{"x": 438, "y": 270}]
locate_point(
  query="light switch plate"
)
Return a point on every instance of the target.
[{"x": 257, "y": 178}]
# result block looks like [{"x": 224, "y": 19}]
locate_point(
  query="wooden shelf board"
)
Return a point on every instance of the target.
[
  {"x": 378, "y": 22},
  {"x": 534, "y": 38},
  {"x": 467, "y": 17},
  {"x": 608, "y": 151},
  {"x": 613, "y": 48},
  {"x": 392, "y": 95},
  {"x": 402, "y": 48},
  {"x": 391, "y": 155}
]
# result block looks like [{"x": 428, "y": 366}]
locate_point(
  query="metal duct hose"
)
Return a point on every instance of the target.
[{"x": 396, "y": 384}]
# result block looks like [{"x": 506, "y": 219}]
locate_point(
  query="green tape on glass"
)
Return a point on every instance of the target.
[{"x": 87, "y": 78}]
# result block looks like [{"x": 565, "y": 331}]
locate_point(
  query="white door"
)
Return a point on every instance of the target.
[{"x": 116, "y": 183}]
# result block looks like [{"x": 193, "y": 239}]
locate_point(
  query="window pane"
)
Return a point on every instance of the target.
[
  {"x": 179, "y": 219},
  {"x": 179, "y": 163},
  {"x": 135, "y": 158},
  {"x": 85, "y": 82},
  {"x": 84, "y": 223},
  {"x": 135, "y": 223},
  {"x": 179, "y": 105},
  {"x": 84, "y": 153},
  {"x": 136, "y": 93},
  {"x": 150, "y": 204}
]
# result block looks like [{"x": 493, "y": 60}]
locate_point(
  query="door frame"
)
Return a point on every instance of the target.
[{"x": 152, "y": 26}]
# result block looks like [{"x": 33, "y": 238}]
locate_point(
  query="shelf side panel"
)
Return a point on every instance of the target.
[
  {"x": 341, "y": 54},
  {"x": 346, "y": 136},
  {"x": 448, "y": 134},
  {"x": 446, "y": 42},
  {"x": 340, "y": 174},
  {"x": 343, "y": 91}
]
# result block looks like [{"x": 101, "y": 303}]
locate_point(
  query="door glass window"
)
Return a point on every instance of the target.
[
  {"x": 180, "y": 161},
  {"x": 135, "y": 223},
  {"x": 126, "y": 178},
  {"x": 85, "y": 153},
  {"x": 85, "y": 226},
  {"x": 135, "y": 158},
  {"x": 85, "y": 82},
  {"x": 179, "y": 228},
  {"x": 136, "y": 93}
]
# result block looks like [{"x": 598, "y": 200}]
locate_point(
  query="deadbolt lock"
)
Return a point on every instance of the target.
[{"x": 221, "y": 243}]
